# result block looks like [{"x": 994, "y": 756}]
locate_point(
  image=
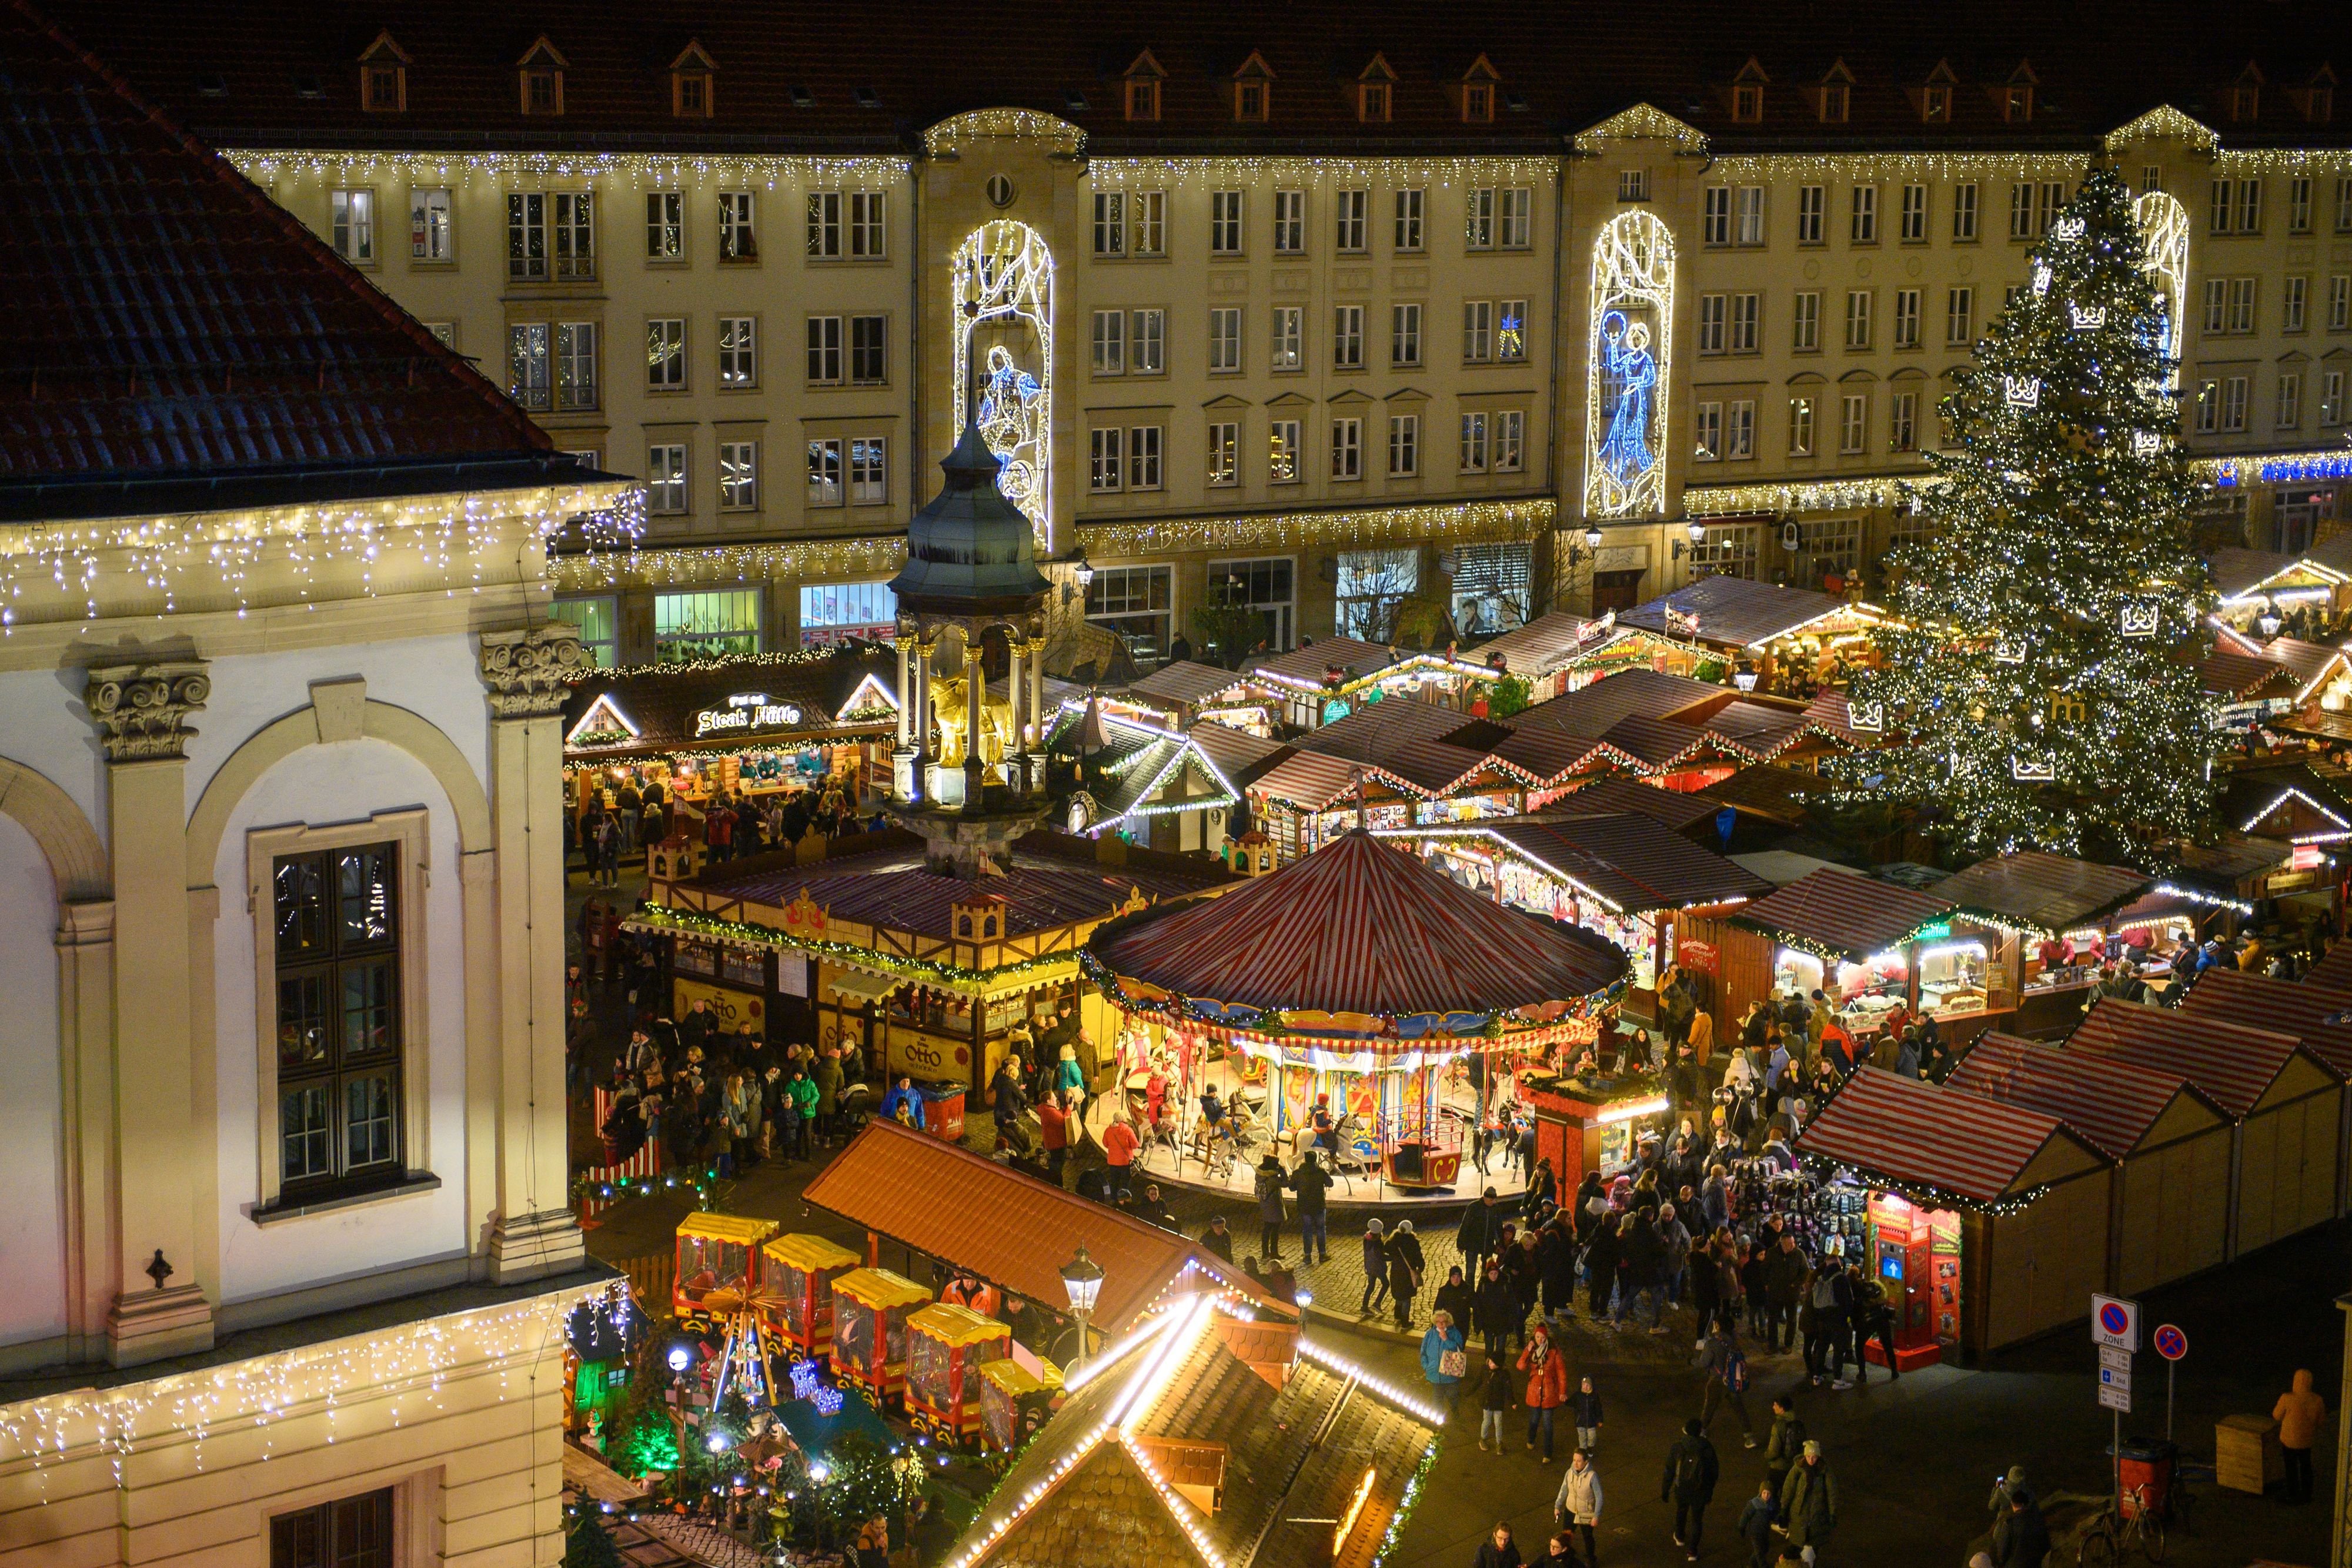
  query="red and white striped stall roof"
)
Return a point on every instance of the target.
[
  {"x": 2111, "y": 1104},
  {"x": 1858, "y": 915},
  {"x": 1359, "y": 927},
  {"x": 1952, "y": 1140},
  {"x": 2234, "y": 1065},
  {"x": 2302, "y": 1009},
  {"x": 2334, "y": 971}
]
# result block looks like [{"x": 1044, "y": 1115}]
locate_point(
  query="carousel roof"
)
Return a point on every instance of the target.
[{"x": 1361, "y": 927}]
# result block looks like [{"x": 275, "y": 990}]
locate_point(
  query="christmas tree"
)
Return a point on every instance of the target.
[{"x": 2038, "y": 684}]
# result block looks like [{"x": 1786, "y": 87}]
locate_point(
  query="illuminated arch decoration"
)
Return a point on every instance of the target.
[
  {"x": 1004, "y": 313},
  {"x": 2164, "y": 226},
  {"x": 1631, "y": 349}
]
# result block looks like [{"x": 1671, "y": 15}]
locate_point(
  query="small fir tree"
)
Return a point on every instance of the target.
[
  {"x": 2039, "y": 685},
  {"x": 589, "y": 1544}
]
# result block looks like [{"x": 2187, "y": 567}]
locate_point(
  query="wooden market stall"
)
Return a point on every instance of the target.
[
  {"x": 1146, "y": 783},
  {"x": 2252, "y": 584},
  {"x": 2286, "y": 1103},
  {"x": 1789, "y": 638},
  {"x": 1358, "y": 976},
  {"x": 2316, "y": 1013},
  {"x": 2169, "y": 1203},
  {"x": 2030, "y": 1197},
  {"x": 947, "y": 1347},
  {"x": 2055, "y": 916},
  {"x": 1540, "y": 652}
]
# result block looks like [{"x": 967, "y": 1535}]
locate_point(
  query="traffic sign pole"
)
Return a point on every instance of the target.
[
  {"x": 2168, "y": 1399},
  {"x": 2171, "y": 1345}
]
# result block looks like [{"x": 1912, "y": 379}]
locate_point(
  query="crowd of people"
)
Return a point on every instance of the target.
[{"x": 732, "y": 825}]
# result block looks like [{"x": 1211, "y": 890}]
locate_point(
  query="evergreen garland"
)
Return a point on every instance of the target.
[{"x": 2039, "y": 682}]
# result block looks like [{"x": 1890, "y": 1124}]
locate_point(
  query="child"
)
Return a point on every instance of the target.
[
  {"x": 1587, "y": 1416},
  {"x": 1756, "y": 1525},
  {"x": 1496, "y": 1400}
]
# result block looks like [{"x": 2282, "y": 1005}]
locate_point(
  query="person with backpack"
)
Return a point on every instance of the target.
[
  {"x": 1830, "y": 1301},
  {"x": 1873, "y": 1318},
  {"x": 1497, "y": 1309},
  {"x": 1785, "y": 1445},
  {"x": 1692, "y": 1469},
  {"x": 1727, "y": 1382},
  {"x": 1808, "y": 1505}
]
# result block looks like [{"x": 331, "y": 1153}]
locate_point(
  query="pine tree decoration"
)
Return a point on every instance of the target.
[{"x": 2038, "y": 685}]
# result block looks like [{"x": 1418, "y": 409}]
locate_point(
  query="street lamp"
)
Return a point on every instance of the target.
[
  {"x": 1592, "y": 538},
  {"x": 1082, "y": 1277},
  {"x": 1083, "y": 570}
]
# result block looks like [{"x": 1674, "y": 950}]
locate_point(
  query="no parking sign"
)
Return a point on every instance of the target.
[
  {"x": 2115, "y": 1322},
  {"x": 2170, "y": 1342}
]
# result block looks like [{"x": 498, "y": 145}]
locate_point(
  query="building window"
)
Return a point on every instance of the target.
[
  {"x": 1906, "y": 317},
  {"x": 1251, "y": 100},
  {"x": 1632, "y": 184},
  {"x": 1492, "y": 585},
  {"x": 1111, "y": 342},
  {"x": 1107, "y": 460},
  {"x": 1746, "y": 320},
  {"x": 825, "y": 472},
  {"x": 1404, "y": 336},
  {"x": 337, "y": 918},
  {"x": 385, "y": 86},
  {"x": 2233, "y": 405},
  {"x": 598, "y": 620},
  {"x": 824, "y": 351},
  {"x": 1857, "y": 317},
  {"x": 1800, "y": 427},
  {"x": 1347, "y": 338},
  {"x": 528, "y": 378},
  {"x": 1903, "y": 421},
  {"x": 1853, "y": 424},
  {"x": 1500, "y": 218},
  {"x": 665, "y": 225},
  {"x": 1289, "y": 336},
  {"x": 2339, "y": 301},
  {"x": 1224, "y": 339},
  {"x": 430, "y": 236},
  {"x": 542, "y": 81},
  {"x": 1373, "y": 584},
  {"x": 868, "y": 238},
  {"x": 575, "y": 365},
  {"x": 1864, "y": 227},
  {"x": 718, "y": 624},
  {"x": 1477, "y": 103},
  {"x": 2298, "y": 205},
  {"x": 869, "y": 470},
  {"x": 1834, "y": 102},
  {"x": 1347, "y": 223},
  {"x": 1289, "y": 221},
  {"x": 1510, "y": 440},
  {"x": 352, "y": 224},
  {"x": 1727, "y": 549},
  {"x": 2331, "y": 399},
  {"x": 1263, "y": 585},
  {"x": 1478, "y": 331},
  {"x": 1516, "y": 217},
  {"x": 1712, "y": 311},
  {"x": 2033, "y": 204},
  {"x": 1110, "y": 224},
  {"x": 1935, "y": 103},
  {"x": 1142, "y": 99},
  {"x": 665, "y": 478},
  {"x": 350, "y": 1532},
  {"x": 1964, "y": 211},
  {"x": 1707, "y": 431},
  {"x": 1748, "y": 215},
  {"x": 1806, "y": 322},
  {"x": 2017, "y": 104},
  {"x": 1739, "y": 429},
  {"x": 550, "y": 236},
  {"x": 1959, "y": 318},
  {"x": 1404, "y": 445},
  {"x": 738, "y": 475},
  {"x": 1143, "y": 445},
  {"x": 835, "y": 611},
  {"x": 1282, "y": 451},
  {"x": 1407, "y": 237},
  {"x": 1748, "y": 103},
  {"x": 690, "y": 97},
  {"x": 1147, "y": 223},
  {"x": 1224, "y": 453},
  {"x": 739, "y": 351},
  {"x": 1225, "y": 223},
  {"x": 2208, "y": 406},
  {"x": 1134, "y": 604},
  {"x": 1476, "y": 453},
  {"x": 1511, "y": 330},
  {"x": 870, "y": 350},
  {"x": 1347, "y": 449},
  {"x": 1715, "y": 216},
  {"x": 2290, "y": 401},
  {"x": 2344, "y": 206},
  {"x": 1372, "y": 102},
  {"x": 2290, "y": 302},
  {"x": 2242, "y": 306},
  {"x": 1810, "y": 205},
  {"x": 1914, "y": 214},
  {"x": 1478, "y": 218},
  {"x": 2250, "y": 206}
]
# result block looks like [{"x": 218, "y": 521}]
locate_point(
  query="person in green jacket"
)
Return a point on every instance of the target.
[
  {"x": 828, "y": 1093},
  {"x": 799, "y": 1110},
  {"x": 1809, "y": 1505}
]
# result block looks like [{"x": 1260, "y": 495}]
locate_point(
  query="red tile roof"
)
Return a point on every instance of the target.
[
  {"x": 2111, "y": 1104},
  {"x": 1007, "y": 1227},
  {"x": 1954, "y": 1141},
  {"x": 2286, "y": 1007},
  {"x": 167, "y": 320},
  {"x": 1858, "y": 915},
  {"x": 2234, "y": 1065}
]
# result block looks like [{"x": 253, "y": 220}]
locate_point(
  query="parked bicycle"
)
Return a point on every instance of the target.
[{"x": 2111, "y": 1537}]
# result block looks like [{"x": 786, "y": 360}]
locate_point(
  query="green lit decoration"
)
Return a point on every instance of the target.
[{"x": 2038, "y": 672}]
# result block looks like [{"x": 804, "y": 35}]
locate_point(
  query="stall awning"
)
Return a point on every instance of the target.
[
  {"x": 1943, "y": 1142},
  {"x": 2049, "y": 893},
  {"x": 2234, "y": 1065},
  {"x": 2113, "y": 1104},
  {"x": 863, "y": 985},
  {"x": 1845, "y": 913}
]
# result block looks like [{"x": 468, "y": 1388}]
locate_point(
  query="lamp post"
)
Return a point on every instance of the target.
[{"x": 1082, "y": 1277}]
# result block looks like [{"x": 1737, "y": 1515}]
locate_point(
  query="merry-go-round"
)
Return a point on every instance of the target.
[{"x": 1355, "y": 1001}]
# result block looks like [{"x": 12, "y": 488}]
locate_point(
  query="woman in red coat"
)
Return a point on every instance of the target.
[{"x": 1547, "y": 1370}]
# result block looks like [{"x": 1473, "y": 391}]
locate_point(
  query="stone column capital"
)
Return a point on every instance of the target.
[
  {"x": 142, "y": 710},
  {"x": 528, "y": 673}
]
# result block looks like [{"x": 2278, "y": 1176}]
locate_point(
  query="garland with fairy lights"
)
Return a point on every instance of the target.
[
  {"x": 662, "y": 920},
  {"x": 1829, "y": 1168},
  {"x": 1409, "y": 1500}
]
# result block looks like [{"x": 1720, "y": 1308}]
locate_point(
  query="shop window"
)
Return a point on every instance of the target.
[
  {"x": 1372, "y": 585},
  {"x": 1134, "y": 604},
  {"x": 833, "y": 611},
  {"x": 717, "y": 624},
  {"x": 745, "y": 966},
  {"x": 695, "y": 958},
  {"x": 349, "y": 1532},
  {"x": 599, "y": 623},
  {"x": 1727, "y": 549},
  {"x": 1267, "y": 586}
]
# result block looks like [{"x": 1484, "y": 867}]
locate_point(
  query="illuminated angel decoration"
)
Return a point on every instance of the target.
[
  {"x": 1631, "y": 326},
  {"x": 1003, "y": 281},
  {"x": 1011, "y": 401},
  {"x": 1625, "y": 352}
]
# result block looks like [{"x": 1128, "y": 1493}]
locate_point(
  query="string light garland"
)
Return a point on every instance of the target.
[
  {"x": 870, "y": 555},
  {"x": 659, "y": 920},
  {"x": 1317, "y": 173},
  {"x": 637, "y": 170},
  {"x": 1799, "y": 496},
  {"x": 1765, "y": 168},
  {"x": 2160, "y": 123},
  {"x": 1467, "y": 521},
  {"x": 953, "y": 136},
  {"x": 1642, "y": 122}
]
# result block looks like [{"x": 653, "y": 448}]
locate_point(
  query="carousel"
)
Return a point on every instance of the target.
[{"x": 1355, "y": 1001}]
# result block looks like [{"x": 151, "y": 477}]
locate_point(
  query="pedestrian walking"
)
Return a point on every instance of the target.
[
  {"x": 1311, "y": 1182},
  {"x": 1405, "y": 1266},
  {"x": 1691, "y": 1472},
  {"x": 1376, "y": 1269},
  {"x": 1217, "y": 1238},
  {"x": 1784, "y": 1445},
  {"x": 1601, "y": 1255},
  {"x": 1498, "y": 1550},
  {"x": 1586, "y": 1416},
  {"x": 1785, "y": 1272},
  {"x": 1546, "y": 1373},
  {"x": 2299, "y": 1412},
  {"x": 1270, "y": 1182},
  {"x": 1756, "y": 1525},
  {"x": 1828, "y": 1303},
  {"x": 1494, "y": 1400},
  {"x": 1480, "y": 1230},
  {"x": 1577, "y": 1509},
  {"x": 1555, "y": 1267},
  {"x": 1444, "y": 1359},
  {"x": 1456, "y": 1296},
  {"x": 1725, "y": 1369},
  {"x": 1497, "y": 1309},
  {"x": 1809, "y": 1503}
]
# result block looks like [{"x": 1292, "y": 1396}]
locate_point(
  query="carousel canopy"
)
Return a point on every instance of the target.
[{"x": 1360, "y": 928}]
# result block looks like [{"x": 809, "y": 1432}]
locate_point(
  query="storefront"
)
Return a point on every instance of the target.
[
  {"x": 2056, "y": 921},
  {"x": 755, "y": 727},
  {"x": 1144, "y": 783},
  {"x": 1585, "y": 1125}
]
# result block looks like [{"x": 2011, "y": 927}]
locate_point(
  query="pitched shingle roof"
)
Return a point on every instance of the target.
[
  {"x": 1857, "y": 915},
  {"x": 2050, "y": 891},
  {"x": 1635, "y": 863},
  {"x": 1591, "y": 710},
  {"x": 2232, "y": 1064},
  {"x": 169, "y": 325},
  {"x": 2111, "y": 1104},
  {"x": 2316, "y": 1013},
  {"x": 1948, "y": 1139},
  {"x": 1734, "y": 612}
]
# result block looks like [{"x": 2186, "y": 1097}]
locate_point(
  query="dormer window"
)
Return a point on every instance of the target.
[
  {"x": 2017, "y": 96},
  {"x": 1935, "y": 96},
  {"x": 1143, "y": 79},
  {"x": 1479, "y": 85},
  {"x": 1837, "y": 88},
  {"x": 1747, "y": 95},
  {"x": 692, "y": 84},
  {"x": 1252, "y": 90},
  {"x": 1374, "y": 90},
  {"x": 2246, "y": 95},
  {"x": 383, "y": 76},
  {"x": 541, "y": 70},
  {"x": 2319, "y": 96}
]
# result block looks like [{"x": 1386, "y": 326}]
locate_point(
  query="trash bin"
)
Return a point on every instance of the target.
[
  {"x": 2147, "y": 1469},
  {"x": 943, "y": 1111}
]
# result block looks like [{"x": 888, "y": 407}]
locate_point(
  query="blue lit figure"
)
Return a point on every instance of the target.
[
  {"x": 1625, "y": 354},
  {"x": 1512, "y": 344},
  {"x": 1007, "y": 409}
]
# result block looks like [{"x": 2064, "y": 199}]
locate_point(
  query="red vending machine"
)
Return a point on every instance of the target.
[{"x": 1915, "y": 1255}]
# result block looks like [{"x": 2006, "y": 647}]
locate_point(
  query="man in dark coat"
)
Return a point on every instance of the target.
[
  {"x": 1481, "y": 1230},
  {"x": 1689, "y": 1484},
  {"x": 2021, "y": 1538},
  {"x": 1496, "y": 1308}
]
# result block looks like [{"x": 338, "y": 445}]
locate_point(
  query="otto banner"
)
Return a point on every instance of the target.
[{"x": 732, "y": 1008}]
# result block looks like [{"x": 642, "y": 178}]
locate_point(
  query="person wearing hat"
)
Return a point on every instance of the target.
[
  {"x": 1269, "y": 1207},
  {"x": 1405, "y": 1265},
  {"x": 1481, "y": 1230},
  {"x": 1376, "y": 1268},
  {"x": 1809, "y": 1503},
  {"x": 2020, "y": 1537}
]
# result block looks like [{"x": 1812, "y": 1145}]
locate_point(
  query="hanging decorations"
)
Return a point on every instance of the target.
[
  {"x": 2041, "y": 278},
  {"x": 2021, "y": 391},
  {"x": 2142, "y": 617},
  {"x": 508, "y": 170},
  {"x": 2035, "y": 770},
  {"x": 1002, "y": 275},
  {"x": 2087, "y": 317},
  {"x": 1630, "y": 355},
  {"x": 2163, "y": 224},
  {"x": 872, "y": 555},
  {"x": 1465, "y": 521}
]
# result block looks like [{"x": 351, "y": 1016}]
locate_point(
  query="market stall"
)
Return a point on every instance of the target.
[
  {"x": 1595, "y": 1121},
  {"x": 1325, "y": 681},
  {"x": 2056, "y": 919},
  {"x": 947, "y": 1347},
  {"x": 2170, "y": 1202},
  {"x": 1540, "y": 652},
  {"x": 2315, "y": 1012},
  {"x": 1357, "y": 976},
  {"x": 1143, "y": 781},
  {"x": 2014, "y": 1239},
  {"x": 797, "y": 1300},
  {"x": 2253, "y": 585},
  {"x": 1786, "y": 639}
]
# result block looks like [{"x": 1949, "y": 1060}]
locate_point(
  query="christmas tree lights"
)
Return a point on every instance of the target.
[{"x": 2038, "y": 673}]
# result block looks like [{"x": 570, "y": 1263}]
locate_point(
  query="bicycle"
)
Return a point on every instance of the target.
[{"x": 2110, "y": 1536}]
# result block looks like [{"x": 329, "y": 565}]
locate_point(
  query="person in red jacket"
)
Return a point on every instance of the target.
[
  {"x": 1119, "y": 1144},
  {"x": 1547, "y": 1370},
  {"x": 1053, "y": 1125}
]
